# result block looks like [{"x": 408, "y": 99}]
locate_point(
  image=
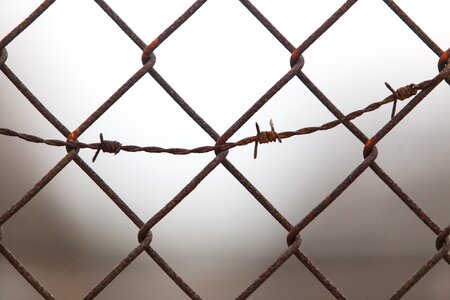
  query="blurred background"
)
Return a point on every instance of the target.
[{"x": 219, "y": 239}]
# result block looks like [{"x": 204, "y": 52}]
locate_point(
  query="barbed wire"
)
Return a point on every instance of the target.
[{"x": 261, "y": 137}]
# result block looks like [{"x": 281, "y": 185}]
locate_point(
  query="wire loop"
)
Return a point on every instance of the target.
[
  {"x": 444, "y": 60},
  {"x": 148, "y": 54},
  {"x": 297, "y": 57},
  {"x": 3, "y": 57},
  {"x": 443, "y": 238}
]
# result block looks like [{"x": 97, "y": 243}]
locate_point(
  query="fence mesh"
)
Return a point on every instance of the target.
[{"x": 414, "y": 92}]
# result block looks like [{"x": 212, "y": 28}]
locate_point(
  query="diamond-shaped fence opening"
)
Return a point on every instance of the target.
[{"x": 207, "y": 225}]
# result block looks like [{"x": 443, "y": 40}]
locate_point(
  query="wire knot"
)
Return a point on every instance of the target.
[
  {"x": 107, "y": 146},
  {"x": 402, "y": 93},
  {"x": 264, "y": 137}
]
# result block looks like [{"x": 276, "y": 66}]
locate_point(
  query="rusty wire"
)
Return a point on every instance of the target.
[
  {"x": 222, "y": 146},
  {"x": 261, "y": 137}
]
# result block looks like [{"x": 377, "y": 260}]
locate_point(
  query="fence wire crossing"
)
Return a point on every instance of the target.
[{"x": 417, "y": 92}]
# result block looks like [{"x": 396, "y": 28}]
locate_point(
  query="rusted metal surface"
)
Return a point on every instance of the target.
[{"x": 222, "y": 146}]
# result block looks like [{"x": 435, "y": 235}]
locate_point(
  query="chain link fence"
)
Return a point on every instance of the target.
[{"x": 414, "y": 93}]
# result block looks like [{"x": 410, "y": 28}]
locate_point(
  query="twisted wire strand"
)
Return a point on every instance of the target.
[{"x": 260, "y": 138}]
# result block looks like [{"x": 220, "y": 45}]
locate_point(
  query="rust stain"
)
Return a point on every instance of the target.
[
  {"x": 294, "y": 57},
  {"x": 370, "y": 143},
  {"x": 368, "y": 147},
  {"x": 443, "y": 60},
  {"x": 149, "y": 49},
  {"x": 154, "y": 44},
  {"x": 73, "y": 136}
]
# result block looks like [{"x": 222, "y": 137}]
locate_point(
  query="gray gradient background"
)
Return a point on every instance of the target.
[{"x": 219, "y": 238}]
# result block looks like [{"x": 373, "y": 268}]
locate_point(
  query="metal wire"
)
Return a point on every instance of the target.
[{"x": 222, "y": 146}]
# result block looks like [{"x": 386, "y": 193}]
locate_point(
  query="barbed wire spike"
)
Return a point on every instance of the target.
[
  {"x": 107, "y": 146},
  {"x": 394, "y": 103},
  {"x": 263, "y": 137},
  {"x": 273, "y": 130},
  {"x": 402, "y": 93}
]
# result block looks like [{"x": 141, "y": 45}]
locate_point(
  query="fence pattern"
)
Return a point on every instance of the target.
[{"x": 222, "y": 147}]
